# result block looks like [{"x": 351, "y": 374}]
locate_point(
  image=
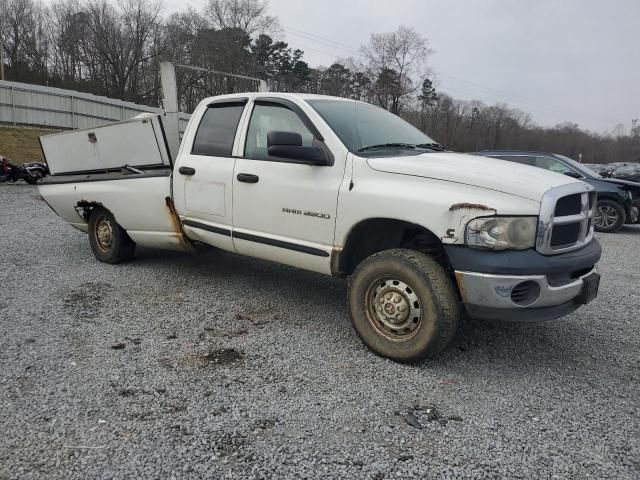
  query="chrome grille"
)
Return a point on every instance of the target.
[{"x": 565, "y": 222}]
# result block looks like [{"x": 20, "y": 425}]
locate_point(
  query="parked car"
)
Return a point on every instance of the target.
[
  {"x": 627, "y": 172},
  {"x": 341, "y": 188},
  {"x": 605, "y": 170},
  {"x": 602, "y": 169},
  {"x": 618, "y": 200}
]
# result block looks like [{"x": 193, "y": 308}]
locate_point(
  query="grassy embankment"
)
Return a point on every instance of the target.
[{"x": 21, "y": 145}]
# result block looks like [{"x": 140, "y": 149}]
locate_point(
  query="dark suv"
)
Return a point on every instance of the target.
[{"x": 618, "y": 200}]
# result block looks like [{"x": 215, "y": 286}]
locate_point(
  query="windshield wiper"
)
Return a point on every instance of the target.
[
  {"x": 436, "y": 147},
  {"x": 432, "y": 146},
  {"x": 387, "y": 145}
]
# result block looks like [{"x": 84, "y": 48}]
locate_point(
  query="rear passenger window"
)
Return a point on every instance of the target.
[{"x": 217, "y": 130}]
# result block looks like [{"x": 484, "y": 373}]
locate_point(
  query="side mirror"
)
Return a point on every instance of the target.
[
  {"x": 284, "y": 138},
  {"x": 572, "y": 174},
  {"x": 288, "y": 146}
]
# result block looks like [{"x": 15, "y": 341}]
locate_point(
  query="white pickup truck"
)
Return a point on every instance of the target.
[{"x": 342, "y": 188}]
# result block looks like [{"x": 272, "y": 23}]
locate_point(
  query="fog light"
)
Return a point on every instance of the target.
[{"x": 525, "y": 293}]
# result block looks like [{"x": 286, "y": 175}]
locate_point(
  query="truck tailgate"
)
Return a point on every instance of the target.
[{"x": 138, "y": 142}]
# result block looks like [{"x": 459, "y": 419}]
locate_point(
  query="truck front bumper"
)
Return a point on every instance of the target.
[{"x": 524, "y": 285}]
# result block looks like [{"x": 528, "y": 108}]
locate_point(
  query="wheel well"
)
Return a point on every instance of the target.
[
  {"x": 378, "y": 234},
  {"x": 611, "y": 198},
  {"x": 84, "y": 208}
]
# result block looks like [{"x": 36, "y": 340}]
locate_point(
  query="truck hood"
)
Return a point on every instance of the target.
[{"x": 483, "y": 172}]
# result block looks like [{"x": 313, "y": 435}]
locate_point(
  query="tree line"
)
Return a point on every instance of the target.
[{"x": 114, "y": 48}]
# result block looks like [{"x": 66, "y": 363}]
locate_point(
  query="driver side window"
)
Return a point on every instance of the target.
[{"x": 267, "y": 118}]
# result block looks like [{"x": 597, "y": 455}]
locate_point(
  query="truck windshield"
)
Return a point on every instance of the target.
[{"x": 368, "y": 130}]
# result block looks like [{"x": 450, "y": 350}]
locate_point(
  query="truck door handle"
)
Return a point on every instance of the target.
[
  {"x": 248, "y": 178},
  {"x": 187, "y": 170}
]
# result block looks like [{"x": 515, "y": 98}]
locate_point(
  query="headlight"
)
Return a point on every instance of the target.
[{"x": 500, "y": 233}]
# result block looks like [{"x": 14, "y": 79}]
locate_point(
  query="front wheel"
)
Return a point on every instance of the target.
[
  {"x": 403, "y": 305},
  {"x": 609, "y": 216},
  {"x": 109, "y": 241}
]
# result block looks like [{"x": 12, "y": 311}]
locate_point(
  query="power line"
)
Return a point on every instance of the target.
[
  {"x": 299, "y": 45},
  {"x": 531, "y": 102},
  {"x": 312, "y": 36},
  {"x": 322, "y": 44},
  {"x": 508, "y": 97}
]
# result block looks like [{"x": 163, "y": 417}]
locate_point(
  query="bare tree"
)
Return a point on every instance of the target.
[
  {"x": 397, "y": 62},
  {"x": 247, "y": 15},
  {"x": 118, "y": 48},
  {"x": 24, "y": 38},
  {"x": 66, "y": 31}
]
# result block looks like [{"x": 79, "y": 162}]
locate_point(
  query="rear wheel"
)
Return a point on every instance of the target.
[
  {"x": 109, "y": 241},
  {"x": 403, "y": 305},
  {"x": 609, "y": 216}
]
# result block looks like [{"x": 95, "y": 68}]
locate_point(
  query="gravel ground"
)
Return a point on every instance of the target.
[{"x": 217, "y": 366}]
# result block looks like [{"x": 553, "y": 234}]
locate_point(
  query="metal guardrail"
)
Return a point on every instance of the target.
[{"x": 35, "y": 105}]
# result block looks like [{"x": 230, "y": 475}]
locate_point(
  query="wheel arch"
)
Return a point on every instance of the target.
[
  {"x": 84, "y": 209},
  {"x": 373, "y": 235}
]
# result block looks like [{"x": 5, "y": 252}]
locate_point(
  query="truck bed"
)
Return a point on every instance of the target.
[
  {"x": 140, "y": 203},
  {"x": 123, "y": 167}
]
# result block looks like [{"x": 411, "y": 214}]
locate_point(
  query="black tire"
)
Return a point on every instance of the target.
[
  {"x": 419, "y": 279},
  {"x": 109, "y": 241},
  {"x": 609, "y": 216},
  {"x": 32, "y": 179}
]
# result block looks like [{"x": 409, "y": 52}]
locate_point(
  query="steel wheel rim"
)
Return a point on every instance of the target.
[
  {"x": 394, "y": 309},
  {"x": 104, "y": 234},
  {"x": 606, "y": 216}
]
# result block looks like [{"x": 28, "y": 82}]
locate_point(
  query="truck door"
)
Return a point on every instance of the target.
[
  {"x": 203, "y": 174},
  {"x": 283, "y": 210}
]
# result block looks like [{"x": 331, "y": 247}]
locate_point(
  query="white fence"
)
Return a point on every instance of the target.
[{"x": 35, "y": 105}]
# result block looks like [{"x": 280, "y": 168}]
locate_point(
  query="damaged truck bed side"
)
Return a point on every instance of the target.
[{"x": 341, "y": 188}]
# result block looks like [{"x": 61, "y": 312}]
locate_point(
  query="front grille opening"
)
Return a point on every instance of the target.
[
  {"x": 560, "y": 279},
  {"x": 567, "y": 234},
  {"x": 581, "y": 272},
  {"x": 569, "y": 205},
  {"x": 525, "y": 293}
]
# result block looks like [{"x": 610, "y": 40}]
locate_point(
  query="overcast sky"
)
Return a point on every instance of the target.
[{"x": 559, "y": 60}]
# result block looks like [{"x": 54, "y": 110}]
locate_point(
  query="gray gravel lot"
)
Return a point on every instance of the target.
[{"x": 217, "y": 366}]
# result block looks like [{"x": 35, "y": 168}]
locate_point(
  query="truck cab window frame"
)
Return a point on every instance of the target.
[
  {"x": 310, "y": 134},
  {"x": 223, "y": 125}
]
